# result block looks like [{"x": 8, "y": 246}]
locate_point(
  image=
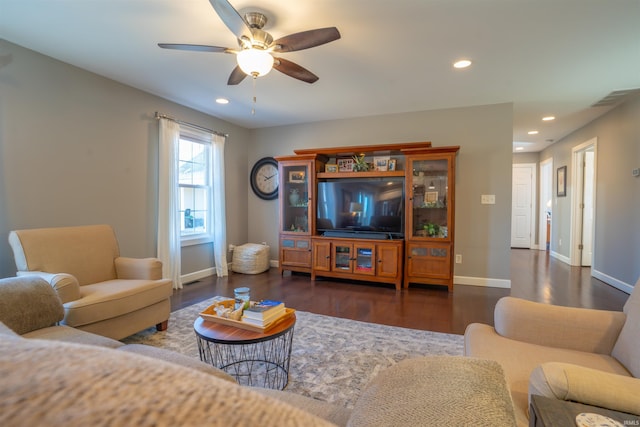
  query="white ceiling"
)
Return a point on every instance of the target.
[{"x": 548, "y": 57}]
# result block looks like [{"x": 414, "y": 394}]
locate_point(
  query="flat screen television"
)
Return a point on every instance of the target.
[{"x": 361, "y": 205}]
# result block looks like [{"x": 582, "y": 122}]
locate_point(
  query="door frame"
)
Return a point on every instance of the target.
[
  {"x": 546, "y": 193},
  {"x": 577, "y": 188}
]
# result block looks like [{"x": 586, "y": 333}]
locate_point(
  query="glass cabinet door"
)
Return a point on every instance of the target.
[
  {"x": 342, "y": 257},
  {"x": 294, "y": 198},
  {"x": 429, "y": 187},
  {"x": 364, "y": 259}
]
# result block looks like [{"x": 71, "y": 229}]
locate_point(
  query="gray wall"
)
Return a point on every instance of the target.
[
  {"x": 484, "y": 134},
  {"x": 77, "y": 148},
  {"x": 617, "y": 224}
]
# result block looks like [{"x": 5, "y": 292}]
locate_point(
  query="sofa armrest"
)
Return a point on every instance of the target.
[
  {"x": 592, "y": 331},
  {"x": 565, "y": 381},
  {"x": 65, "y": 285},
  {"x": 138, "y": 268}
]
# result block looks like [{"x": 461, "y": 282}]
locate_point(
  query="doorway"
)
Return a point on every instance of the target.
[
  {"x": 583, "y": 203},
  {"x": 523, "y": 205}
]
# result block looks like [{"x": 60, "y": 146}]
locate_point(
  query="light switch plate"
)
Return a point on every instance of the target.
[{"x": 488, "y": 199}]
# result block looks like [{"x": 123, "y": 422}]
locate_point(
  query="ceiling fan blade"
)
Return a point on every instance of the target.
[
  {"x": 306, "y": 39},
  {"x": 292, "y": 69},
  {"x": 237, "y": 75},
  {"x": 232, "y": 19},
  {"x": 195, "y": 47}
]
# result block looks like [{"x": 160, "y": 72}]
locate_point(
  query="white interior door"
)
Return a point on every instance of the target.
[{"x": 522, "y": 206}]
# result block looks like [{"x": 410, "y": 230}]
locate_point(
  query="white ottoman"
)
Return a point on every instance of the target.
[{"x": 250, "y": 258}]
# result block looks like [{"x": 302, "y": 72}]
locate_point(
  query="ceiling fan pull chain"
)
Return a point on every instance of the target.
[{"x": 253, "y": 106}]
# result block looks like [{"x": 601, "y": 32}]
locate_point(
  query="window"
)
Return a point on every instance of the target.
[{"x": 194, "y": 182}]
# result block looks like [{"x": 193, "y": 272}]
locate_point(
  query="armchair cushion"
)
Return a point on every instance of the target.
[
  {"x": 138, "y": 268},
  {"x": 41, "y": 309},
  {"x": 566, "y": 381},
  {"x": 88, "y": 252},
  {"x": 592, "y": 331},
  {"x": 114, "y": 298}
]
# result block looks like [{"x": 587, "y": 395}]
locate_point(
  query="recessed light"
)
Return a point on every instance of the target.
[
  {"x": 463, "y": 63},
  {"x": 533, "y": 132},
  {"x": 222, "y": 101},
  {"x": 548, "y": 118},
  {"x": 519, "y": 148}
]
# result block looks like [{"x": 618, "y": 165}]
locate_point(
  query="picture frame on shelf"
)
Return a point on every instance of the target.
[
  {"x": 332, "y": 168},
  {"x": 345, "y": 164},
  {"x": 561, "y": 181},
  {"x": 392, "y": 165},
  {"x": 297, "y": 177},
  {"x": 381, "y": 163},
  {"x": 431, "y": 196}
]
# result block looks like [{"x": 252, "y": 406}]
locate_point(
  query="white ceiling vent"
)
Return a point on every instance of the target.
[{"x": 615, "y": 97}]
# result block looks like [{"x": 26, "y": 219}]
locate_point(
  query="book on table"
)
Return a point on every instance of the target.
[{"x": 264, "y": 312}]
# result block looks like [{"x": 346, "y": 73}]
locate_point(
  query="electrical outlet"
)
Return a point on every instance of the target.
[
  {"x": 231, "y": 248},
  {"x": 636, "y": 172},
  {"x": 458, "y": 258},
  {"x": 559, "y": 242}
]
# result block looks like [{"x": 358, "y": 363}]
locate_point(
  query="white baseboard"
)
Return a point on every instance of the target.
[
  {"x": 560, "y": 257},
  {"x": 624, "y": 287},
  {"x": 482, "y": 281},
  {"x": 197, "y": 275},
  {"x": 274, "y": 263}
]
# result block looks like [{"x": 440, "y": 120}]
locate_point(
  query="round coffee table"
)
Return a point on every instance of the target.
[{"x": 253, "y": 358}]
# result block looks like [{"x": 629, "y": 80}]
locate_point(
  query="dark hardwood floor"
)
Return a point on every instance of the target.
[{"x": 534, "y": 276}]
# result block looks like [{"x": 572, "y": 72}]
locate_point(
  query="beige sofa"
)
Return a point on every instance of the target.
[
  {"x": 583, "y": 355},
  {"x": 102, "y": 292},
  {"x": 58, "y": 375}
]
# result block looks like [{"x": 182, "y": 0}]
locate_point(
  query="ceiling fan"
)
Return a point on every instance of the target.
[{"x": 255, "y": 55}]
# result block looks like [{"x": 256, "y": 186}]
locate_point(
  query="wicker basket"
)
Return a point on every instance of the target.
[{"x": 250, "y": 258}]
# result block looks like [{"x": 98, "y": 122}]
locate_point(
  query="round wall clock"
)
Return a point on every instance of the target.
[{"x": 264, "y": 178}]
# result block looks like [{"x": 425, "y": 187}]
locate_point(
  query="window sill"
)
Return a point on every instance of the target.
[{"x": 196, "y": 239}]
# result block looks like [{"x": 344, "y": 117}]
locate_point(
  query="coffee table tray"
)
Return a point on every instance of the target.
[{"x": 209, "y": 314}]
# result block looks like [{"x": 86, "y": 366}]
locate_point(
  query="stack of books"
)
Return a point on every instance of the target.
[{"x": 264, "y": 312}]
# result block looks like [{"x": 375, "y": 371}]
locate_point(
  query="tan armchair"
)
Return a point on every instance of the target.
[
  {"x": 583, "y": 355},
  {"x": 102, "y": 292}
]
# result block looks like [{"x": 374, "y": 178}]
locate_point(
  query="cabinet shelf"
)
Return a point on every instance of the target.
[{"x": 370, "y": 174}]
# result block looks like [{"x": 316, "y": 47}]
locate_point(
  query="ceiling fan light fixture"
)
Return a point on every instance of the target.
[{"x": 255, "y": 62}]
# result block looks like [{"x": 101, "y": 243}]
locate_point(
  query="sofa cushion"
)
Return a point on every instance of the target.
[
  {"x": 176, "y": 358},
  {"x": 69, "y": 334},
  {"x": 28, "y": 303},
  {"x": 98, "y": 387},
  {"x": 589, "y": 386},
  {"x": 627, "y": 348},
  {"x": 113, "y": 298},
  {"x": 445, "y": 390}
]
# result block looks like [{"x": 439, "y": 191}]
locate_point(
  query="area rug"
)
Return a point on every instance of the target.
[{"x": 332, "y": 359}]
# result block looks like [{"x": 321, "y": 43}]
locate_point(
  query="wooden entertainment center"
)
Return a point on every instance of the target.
[{"x": 393, "y": 223}]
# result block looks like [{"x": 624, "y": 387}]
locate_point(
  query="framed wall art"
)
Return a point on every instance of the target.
[{"x": 561, "y": 181}]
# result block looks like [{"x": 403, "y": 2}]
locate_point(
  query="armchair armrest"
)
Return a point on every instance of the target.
[
  {"x": 593, "y": 331},
  {"x": 65, "y": 285},
  {"x": 565, "y": 381},
  {"x": 138, "y": 268}
]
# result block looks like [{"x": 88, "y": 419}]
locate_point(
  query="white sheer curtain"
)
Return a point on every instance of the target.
[
  {"x": 169, "y": 202},
  {"x": 219, "y": 219}
]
